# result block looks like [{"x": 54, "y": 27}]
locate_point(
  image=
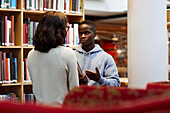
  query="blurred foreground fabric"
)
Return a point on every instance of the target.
[
  {"x": 112, "y": 99},
  {"x": 101, "y": 99},
  {"x": 162, "y": 85}
]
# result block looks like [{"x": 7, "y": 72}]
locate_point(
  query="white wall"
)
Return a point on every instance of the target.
[{"x": 106, "y": 5}]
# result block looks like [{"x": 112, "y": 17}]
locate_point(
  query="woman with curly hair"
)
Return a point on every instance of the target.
[{"x": 52, "y": 71}]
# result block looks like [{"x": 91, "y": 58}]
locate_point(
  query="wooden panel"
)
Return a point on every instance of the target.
[
  {"x": 168, "y": 15},
  {"x": 111, "y": 28}
]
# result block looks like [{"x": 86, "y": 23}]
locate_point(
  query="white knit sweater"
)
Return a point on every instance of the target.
[{"x": 53, "y": 74}]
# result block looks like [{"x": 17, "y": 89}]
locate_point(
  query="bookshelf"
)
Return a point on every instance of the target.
[{"x": 19, "y": 50}]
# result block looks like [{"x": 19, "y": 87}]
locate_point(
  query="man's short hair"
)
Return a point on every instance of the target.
[{"x": 90, "y": 23}]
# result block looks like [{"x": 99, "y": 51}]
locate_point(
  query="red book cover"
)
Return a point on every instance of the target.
[
  {"x": 6, "y": 30},
  {"x": 23, "y": 4},
  {"x": 65, "y": 6},
  {"x": 44, "y": 4},
  {"x": 7, "y": 70},
  {"x": 12, "y": 29},
  {"x": 67, "y": 36},
  {"x": 1, "y": 78},
  {"x": 4, "y": 65},
  {"x": 24, "y": 33}
]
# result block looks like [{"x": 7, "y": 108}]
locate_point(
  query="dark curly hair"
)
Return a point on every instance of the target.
[{"x": 50, "y": 32}]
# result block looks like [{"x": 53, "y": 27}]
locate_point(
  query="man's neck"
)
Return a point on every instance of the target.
[{"x": 88, "y": 48}]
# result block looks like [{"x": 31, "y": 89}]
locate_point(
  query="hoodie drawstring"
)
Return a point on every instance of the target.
[{"x": 88, "y": 61}]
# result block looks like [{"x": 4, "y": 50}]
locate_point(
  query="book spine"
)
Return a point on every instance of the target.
[
  {"x": 12, "y": 30},
  {"x": 24, "y": 4},
  {"x": 1, "y": 33},
  {"x": 67, "y": 36},
  {"x": 71, "y": 35},
  {"x": 70, "y": 6},
  {"x": 9, "y": 32},
  {"x": 4, "y": 65},
  {"x": 10, "y": 66},
  {"x": 1, "y": 78},
  {"x": 45, "y": 5},
  {"x": 15, "y": 69},
  {"x": 24, "y": 34},
  {"x": 76, "y": 35},
  {"x": 6, "y": 28},
  {"x": 7, "y": 42},
  {"x": 3, "y": 30},
  {"x": 73, "y": 5},
  {"x": 2, "y": 3},
  {"x": 7, "y": 71},
  {"x": 67, "y": 6}
]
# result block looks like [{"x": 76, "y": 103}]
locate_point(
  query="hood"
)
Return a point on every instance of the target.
[
  {"x": 96, "y": 49},
  {"x": 84, "y": 58}
]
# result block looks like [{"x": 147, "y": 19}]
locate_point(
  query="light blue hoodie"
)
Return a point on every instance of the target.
[{"x": 104, "y": 62}]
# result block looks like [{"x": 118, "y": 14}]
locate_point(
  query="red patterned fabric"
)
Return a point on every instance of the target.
[
  {"x": 85, "y": 99},
  {"x": 115, "y": 99},
  {"x": 159, "y": 85}
]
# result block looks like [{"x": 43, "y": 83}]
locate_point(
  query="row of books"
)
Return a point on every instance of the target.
[
  {"x": 29, "y": 98},
  {"x": 27, "y": 77},
  {"x": 8, "y": 4},
  {"x": 29, "y": 28},
  {"x": 7, "y": 36},
  {"x": 9, "y": 97},
  {"x": 8, "y": 68},
  {"x": 67, "y": 6},
  {"x": 72, "y": 37}
]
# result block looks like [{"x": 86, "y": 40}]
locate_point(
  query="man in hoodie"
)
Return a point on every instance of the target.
[{"x": 98, "y": 65}]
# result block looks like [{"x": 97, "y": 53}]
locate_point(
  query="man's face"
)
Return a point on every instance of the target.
[{"x": 86, "y": 35}]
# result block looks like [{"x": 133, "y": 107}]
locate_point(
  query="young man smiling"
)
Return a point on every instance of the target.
[{"x": 98, "y": 65}]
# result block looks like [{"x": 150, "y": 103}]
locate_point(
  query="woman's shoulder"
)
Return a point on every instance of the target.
[
  {"x": 64, "y": 50},
  {"x": 31, "y": 52}
]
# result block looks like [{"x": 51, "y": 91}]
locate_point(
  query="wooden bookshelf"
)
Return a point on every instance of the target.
[{"x": 19, "y": 51}]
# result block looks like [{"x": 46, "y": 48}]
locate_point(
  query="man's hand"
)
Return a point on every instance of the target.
[
  {"x": 83, "y": 80},
  {"x": 93, "y": 75}
]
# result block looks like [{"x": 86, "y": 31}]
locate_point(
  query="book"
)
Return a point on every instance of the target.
[
  {"x": 6, "y": 29},
  {"x": 2, "y": 30},
  {"x": 24, "y": 34},
  {"x": 71, "y": 35},
  {"x": 12, "y": 29},
  {"x": 9, "y": 66},
  {"x": 70, "y": 6},
  {"x": 24, "y": 4},
  {"x": 67, "y": 36},
  {"x": 7, "y": 71},
  {"x": 4, "y": 67},
  {"x": 67, "y": 5},
  {"x": 73, "y": 6},
  {"x": 1, "y": 78},
  {"x": 76, "y": 34},
  {"x": 25, "y": 70},
  {"x": 26, "y": 21},
  {"x": 15, "y": 70}
]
